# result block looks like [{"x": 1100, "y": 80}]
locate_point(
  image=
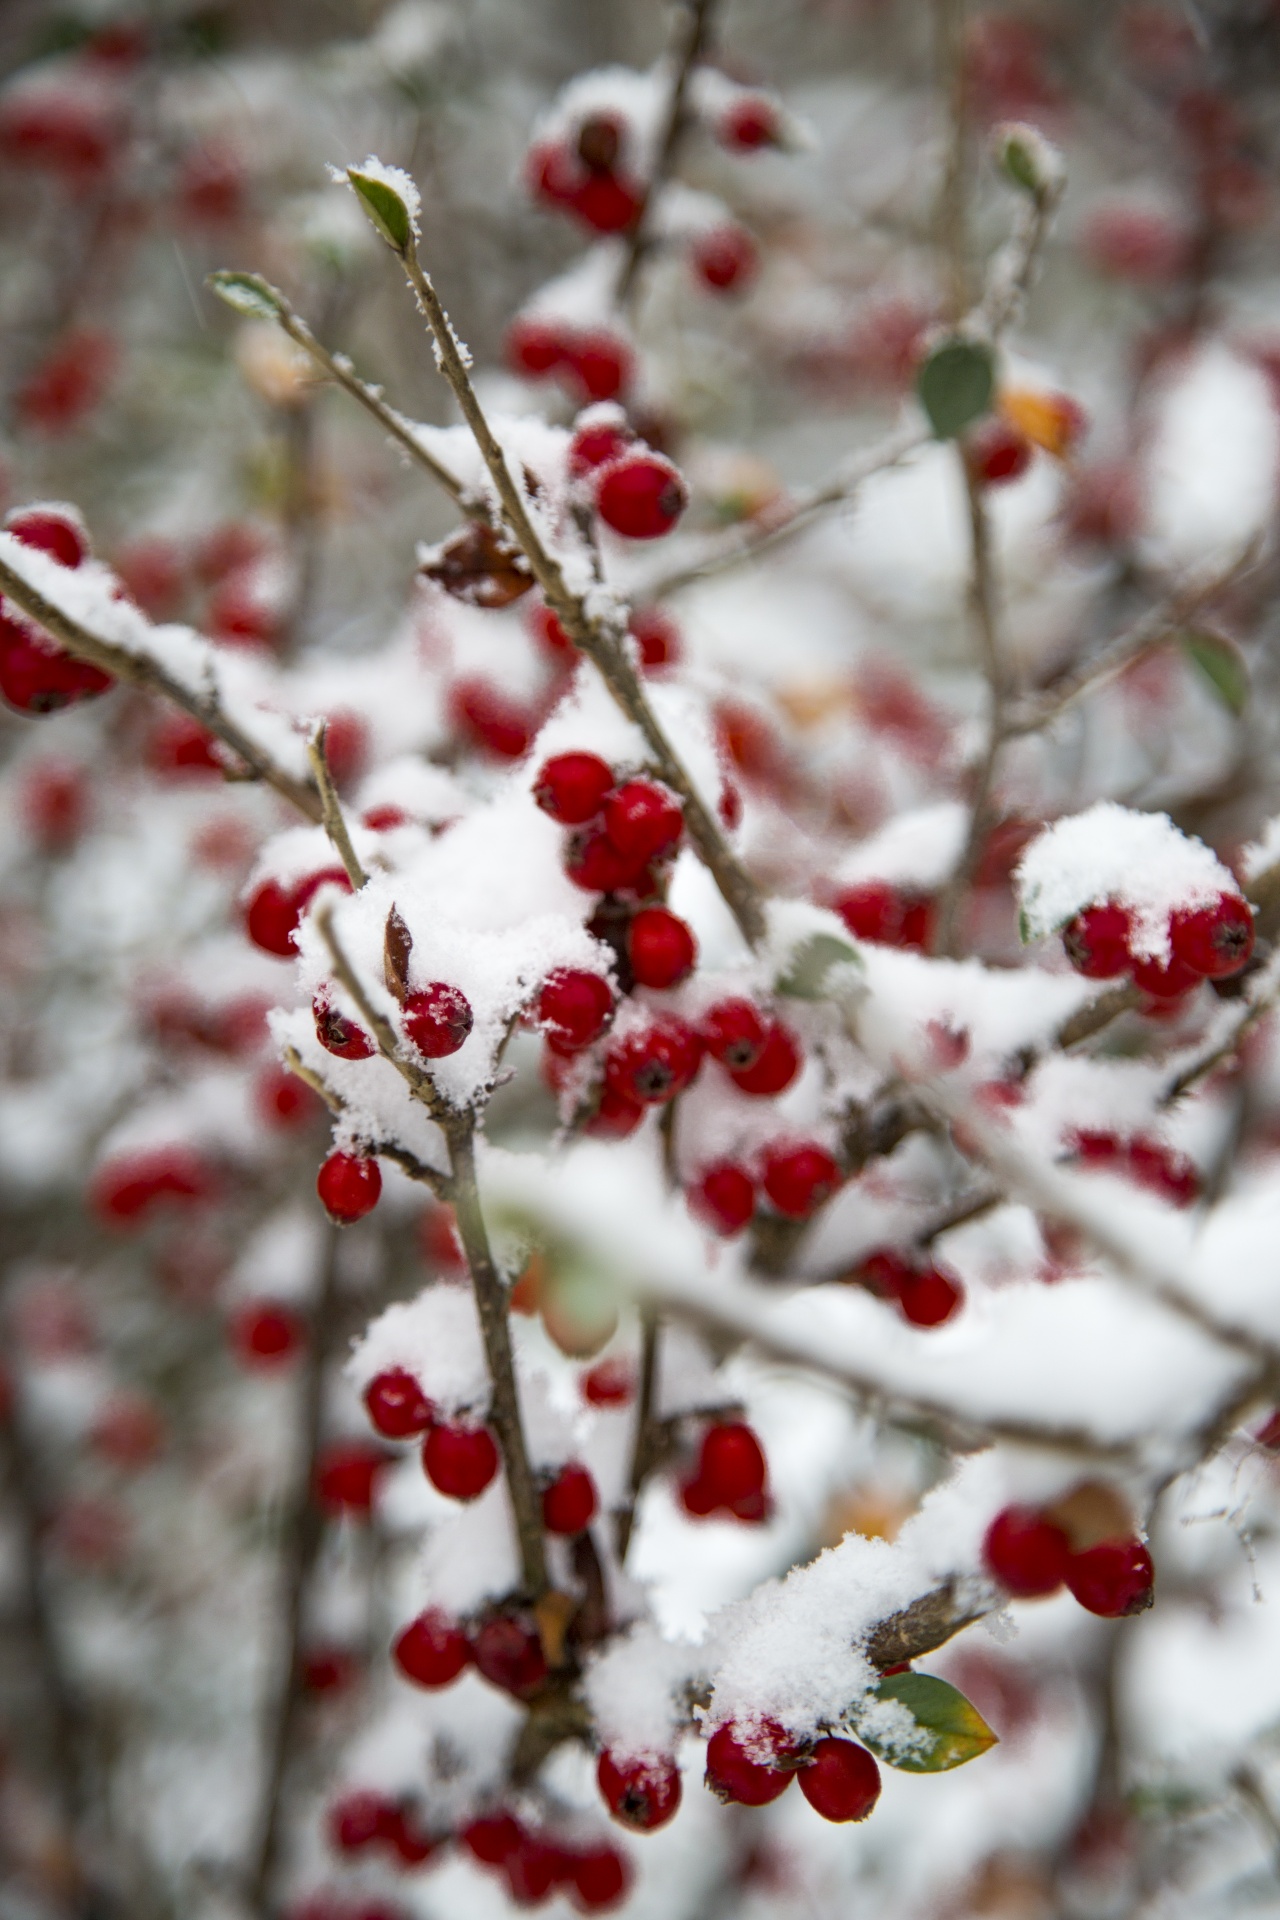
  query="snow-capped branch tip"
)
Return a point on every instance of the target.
[
  {"x": 389, "y": 199},
  {"x": 1029, "y": 161}
]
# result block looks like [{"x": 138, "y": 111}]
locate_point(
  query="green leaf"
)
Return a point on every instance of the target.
[
  {"x": 955, "y": 386},
  {"x": 948, "y": 1729},
  {"x": 809, "y": 970},
  {"x": 1223, "y": 666},
  {"x": 384, "y": 207},
  {"x": 1016, "y": 159},
  {"x": 247, "y": 293},
  {"x": 1024, "y": 928}
]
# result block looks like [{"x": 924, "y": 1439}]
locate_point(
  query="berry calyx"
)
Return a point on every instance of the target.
[
  {"x": 397, "y": 1407},
  {"x": 438, "y": 1019},
  {"x": 735, "y": 1033},
  {"x": 1113, "y": 1579},
  {"x": 660, "y": 947},
  {"x": 349, "y": 1185},
  {"x": 1214, "y": 941},
  {"x": 892, "y": 916},
  {"x": 643, "y": 820},
  {"x": 338, "y": 1035},
  {"x": 927, "y": 1298},
  {"x": 724, "y": 1199},
  {"x": 642, "y": 1794},
  {"x": 508, "y": 1652},
  {"x": 571, "y": 787},
  {"x": 460, "y": 1461},
  {"x": 569, "y": 1503},
  {"x": 574, "y": 1008},
  {"x": 641, "y": 496},
  {"x": 737, "y": 1773},
  {"x": 57, "y": 531},
  {"x": 841, "y": 1780},
  {"x": 1096, "y": 942},
  {"x": 776, "y": 1068},
  {"x": 655, "y": 1063},
  {"x": 432, "y": 1651},
  {"x": 798, "y": 1179},
  {"x": 1026, "y": 1553}
]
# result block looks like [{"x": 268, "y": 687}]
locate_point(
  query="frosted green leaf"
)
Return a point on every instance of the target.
[
  {"x": 384, "y": 207},
  {"x": 247, "y": 293},
  {"x": 955, "y": 386},
  {"x": 947, "y": 1728},
  {"x": 809, "y": 970}
]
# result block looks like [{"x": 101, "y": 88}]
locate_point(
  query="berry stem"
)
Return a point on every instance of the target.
[{"x": 419, "y": 1082}]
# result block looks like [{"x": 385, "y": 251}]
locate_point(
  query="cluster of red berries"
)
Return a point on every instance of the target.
[
  {"x": 127, "y": 1189},
  {"x": 620, "y": 832},
  {"x": 749, "y": 1768},
  {"x": 654, "y": 632},
  {"x": 585, "y": 174},
  {"x": 437, "y": 1020},
  {"x": 729, "y": 1476},
  {"x": 364, "y": 1822},
  {"x": 1031, "y": 1556},
  {"x": 593, "y": 363},
  {"x": 924, "y": 1295},
  {"x": 1150, "y": 1163},
  {"x": 1205, "y": 943},
  {"x": 796, "y": 1177},
  {"x": 535, "y": 1866},
  {"x": 36, "y": 674},
  {"x": 895, "y": 916},
  {"x": 636, "y": 491}
]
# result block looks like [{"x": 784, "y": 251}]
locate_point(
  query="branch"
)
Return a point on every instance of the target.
[
  {"x": 495, "y": 1327},
  {"x": 1265, "y": 985},
  {"x": 927, "y": 1624},
  {"x": 603, "y": 642},
  {"x": 644, "y": 1446},
  {"x": 143, "y": 670},
  {"x": 693, "y": 32},
  {"x": 335, "y": 824},
  {"x": 384, "y": 1149},
  {"x": 303, "y": 1533}
]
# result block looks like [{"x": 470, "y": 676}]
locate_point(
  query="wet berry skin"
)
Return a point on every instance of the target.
[
  {"x": 459, "y": 1461},
  {"x": 432, "y": 1651},
  {"x": 641, "y": 496},
  {"x": 841, "y": 1781},
  {"x": 349, "y": 1184},
  {"x": 1026, "y": 1553},
  {"x": 1113, "y": 1579},
  {"x": 642, "y": 1794},
  {"x": 397, "y": 1406}
]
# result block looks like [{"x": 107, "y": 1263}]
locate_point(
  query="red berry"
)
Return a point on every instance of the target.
[
  {"x": 574, "y": 1008},
  {"x": 654, "y": 1063},
  {"x": 412, "y": 1845},
  {"x": 180, "y": 748},
  {"x": 776, "y": 1068},
  {"x": 329, "y": 1670},
  {"x": 460, "y": 1461},
  {"x": 282, "y": 1100},
  {"x": 606, "y": 203},
  {"x": 266, "y": 1335},
  {"x": 643, "y": 1794},
  {"x": 132, "y": 1186},
  {"x": 569, "y": 1503},
  {"x": 384, "y": 819},
  {"x": 1215, "y": 941},
  {"x": 397, "y": 1406},
  {"x": 1165, "y": 980},
  {"x": 610, "y": 1383},
  {"x": 616, "y": 1117},
  {"x": 490, "y": 718},
  {"x": 725, "y": 258},
  {"x": 1096, "y": 942},
  {"x": 735, "y": 1033},
  {"x": 274, "y": 911},
  {"x": 508, "y": 1652},
  {"x": 751, "y": 121},
  {"x": 928, "y": 1297},
  {"x": 599, "y": 1878},
  {"x": 599, "y": 437},
  {"x": 1026, "y": 1553},
  {"x": 491, "y": 1838},
  {"x": 1268, "y": 1435},
  {"x": 657, "y": 637},
  {"x": 432, "y": 1651},
  {"x": 438, "y": 1019},
  {"x": 69, "y": 383},
  {"x": 338, "y": 1035},
  {"x": 349, "y": 1184},
  {"x": 799, "y": 1178},
  {"x": 593, "y": 863},
  {"x": 550, "y": 635},
  {"x": 660, "y": 947},
  {"x": 893, "y": 916},
  {"x": 38, "y": 676},
  {"x": 724, "y": 1198},
  {"x": 886, "y": 1273},
  {"x": 535, "y": 346},
  {"x": 57, "y": 531},
  {"x": 358, "y": 1820},
  {"x": 68, "y": 133},
  {"x": 1136, "y": 243},
  {"x": 600, "y": 365},
  {"x": 731, "y": 1464},
  {"x": 641, "y": 496},
  {"x": 534, "y": 1869},
  {"x": 1164, "y": 1171},
  {"x": 54, "y": 802},
  {"x": 643, "y": 819},
  {"x": 735, "y": 1772},
  {"x": 1112, "y": 1579},
  {"x": 238, "y": 614},
  {"x": 571, "y": 787},
  {"x": 841, "y": 1780},
  {"x": 346, "y": 746},
  {"x": 996, "y": 453},
  {"x": 347, "y": 1474}
]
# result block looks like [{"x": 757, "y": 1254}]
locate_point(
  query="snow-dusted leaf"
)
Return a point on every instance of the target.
[
  {"x": 809, "y": 970},
  {"x": 948, "y": 1729},
  {"x": 1222, "y": 665},
  {"x": 385, "y": 207},
  {"x": 247, "y": 293},
  {"x": 955, "y": 386}
]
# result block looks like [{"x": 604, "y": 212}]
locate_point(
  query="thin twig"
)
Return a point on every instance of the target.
[
  {"x": 643, "y": 1447},
  {"x": 335, "y": 823},
  {"x": 143, "y": 670},
  {"x": 692, "y": 33},
  {"x": 495, "y": 1328},
  {"x": 384, "y": 1149},
  {"x": 303, "y": 1533},
  {"x": 1261, "y": 1002}
]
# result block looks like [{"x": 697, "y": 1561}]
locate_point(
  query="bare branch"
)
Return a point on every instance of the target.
[
  {"x": 645, "y": 1443},
  {"x": 692, "y": 33},
  {"x": 335, "y": 824},
  {"x": 384, "y": 1149}
]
